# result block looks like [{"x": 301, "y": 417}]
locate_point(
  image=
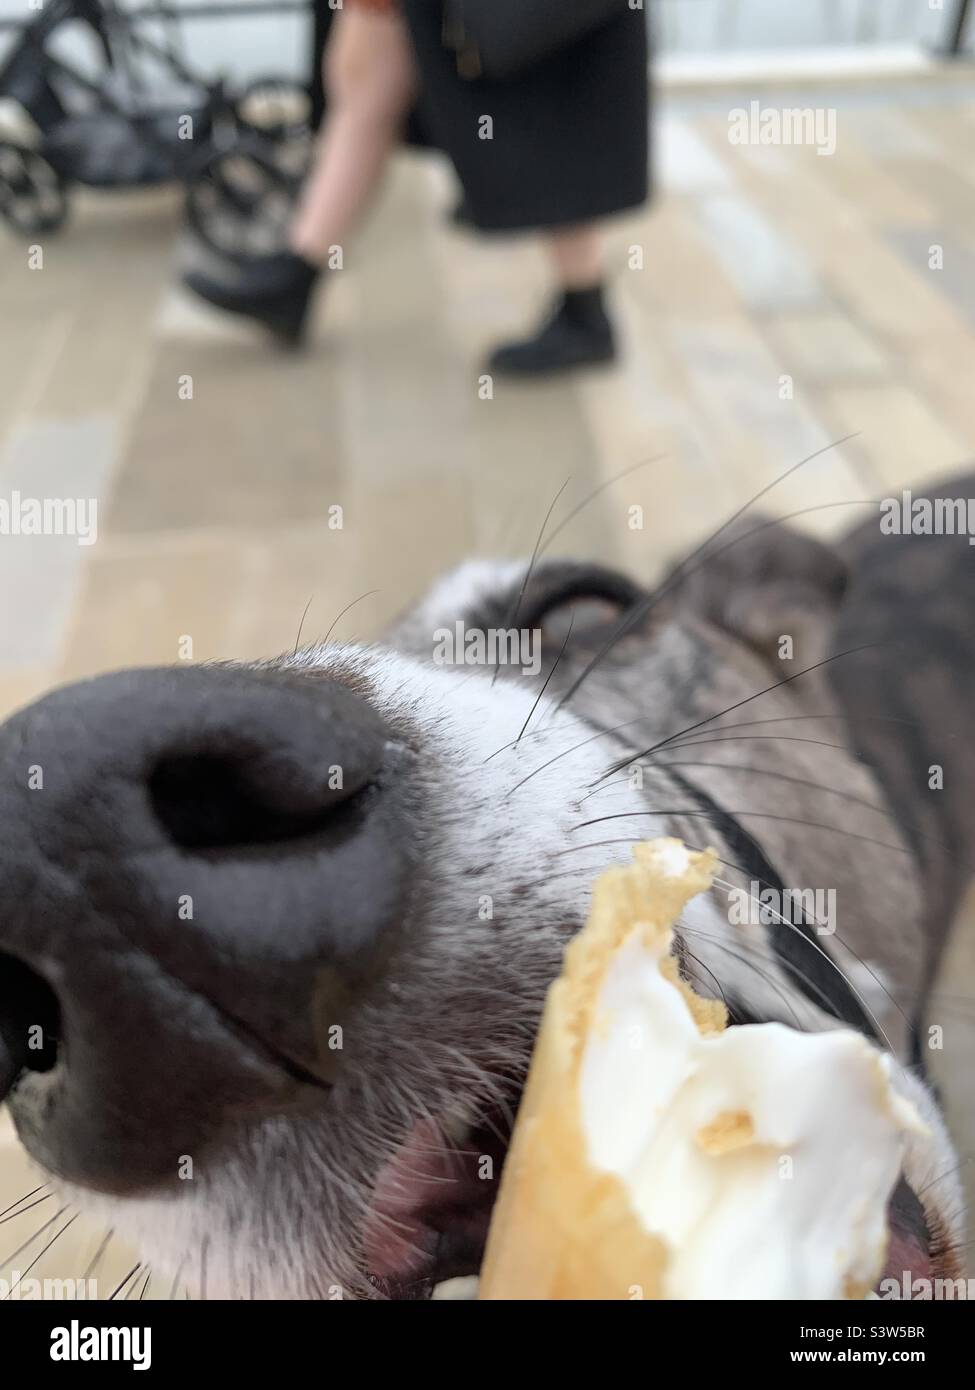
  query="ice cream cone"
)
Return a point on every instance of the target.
[
  {"x": 562, "y": 1229},
  {"x": 659, "y": 1155}
]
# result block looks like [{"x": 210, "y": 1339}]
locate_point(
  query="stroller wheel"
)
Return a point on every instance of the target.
[
  {"x": 33, "y": 195},
  {"x": 274, "y": 107},
  {"x": 240, "y": 201}
]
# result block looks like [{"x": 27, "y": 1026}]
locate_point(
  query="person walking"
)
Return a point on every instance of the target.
[{"x": 553, "y": 146}]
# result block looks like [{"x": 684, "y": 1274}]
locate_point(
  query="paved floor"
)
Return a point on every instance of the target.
[{"x": 774, "y": 300}]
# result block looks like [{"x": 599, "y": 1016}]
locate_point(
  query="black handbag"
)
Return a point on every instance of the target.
[{"x": 501, "y": 38}]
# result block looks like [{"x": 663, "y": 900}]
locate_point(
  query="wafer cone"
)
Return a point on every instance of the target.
[{"x": 562, "y": 1229}]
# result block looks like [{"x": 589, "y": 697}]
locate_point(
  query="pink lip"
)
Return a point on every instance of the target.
[
  {"x": 909, "y": 1238},
  {"x": 906, "y": 1259},
  {"x": 399, "y": 1243},
  {"x": 431, "y": 1207}
]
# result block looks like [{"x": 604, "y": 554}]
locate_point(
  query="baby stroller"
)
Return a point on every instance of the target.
[{"x": 135, "y": 114}]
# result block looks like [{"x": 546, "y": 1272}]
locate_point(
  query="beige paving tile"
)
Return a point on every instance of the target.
[
  {"x": 650, "y": 457},
  {"x": 948, "y": 258},
  {"x": 889, "y": 297},
  {"x": 258, "y": 441},
  {"x": 940, "y": 368},
  {"x": 880, "y": 192},
  {"x": 950, "y": 129},
  {"x": 884, "y": 132},
  {"x": 769, "y": 268},
  {"x": 376, "y": 562},
  {"x": 113, "y": 244},
  {"x": 825, "y": 345},
  {"x": 138, "y": 604},
  {"x": 103, "y": 359},
  {"x": 904, "y": 439},
  {"x": 30, "y": 344},
  {"x": 948, "y": 190},
  {"x": 680, "y": 272},
  {"x": 62, "y": 471},
  {"x": 20, "y": 687},
  {"x": 760, "y": 423}
]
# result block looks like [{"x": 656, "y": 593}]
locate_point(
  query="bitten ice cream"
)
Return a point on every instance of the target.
[{"x": 659, "y": 1154}]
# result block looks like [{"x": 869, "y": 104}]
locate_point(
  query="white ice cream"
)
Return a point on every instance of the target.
[{"x": 764, "y": 1157}]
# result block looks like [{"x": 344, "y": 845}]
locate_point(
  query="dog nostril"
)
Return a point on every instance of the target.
[
  {"x": 30, "y": 1022},
  {"x": 207, "y": 802}
]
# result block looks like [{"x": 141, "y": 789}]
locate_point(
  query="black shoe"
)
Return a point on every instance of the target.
[
  {"x": 276, "y": 291},
  {"x": 577, "y": 334}
]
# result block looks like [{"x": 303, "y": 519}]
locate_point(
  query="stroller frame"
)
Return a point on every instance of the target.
[{"x": 141, "y": 141}]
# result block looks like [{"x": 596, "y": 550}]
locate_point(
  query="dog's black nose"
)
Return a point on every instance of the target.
[{"x": 202, "y": 871}]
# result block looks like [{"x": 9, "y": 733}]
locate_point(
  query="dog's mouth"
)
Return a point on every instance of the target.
[
  {"x": 433, "y": 1201},
  {"x": 432, "y": 1205}
]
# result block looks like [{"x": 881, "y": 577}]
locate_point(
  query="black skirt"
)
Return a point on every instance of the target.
[{"x": 569, "y": 138}]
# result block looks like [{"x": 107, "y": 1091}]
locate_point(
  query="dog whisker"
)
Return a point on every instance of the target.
[
  {"x": 98, "y": 1255},
  {"x": 30, "y": 1240},
  {"x": 119, "y": 1287},
  {"x": 767, "y": 772},
  {"x": 581, "y": 506},
  {"x": 687, "y": 954},
  {"x": 176, "y": 1278},
  {"x": 956, "y": 1168},
  {"x": 744, "y": 959},
  {"x": 301, "y": 623},
  {"x": 538, "y": 697},
  {"x": 640, "y": 610},
  {"x": 754, "y": 949},
  {"x": 41, "y": 1188},
  {"x": 751, "y": 948},
  {"x": 738, "y": 704},
  {"x": 784, "y": 922},
  {"x": 29, "y": 1207},
  {"x": 780, "y": 920},
  {"x": 702, "y": 742},
  {"x": 56, "y": 1237},
  {"x": 335, "y": 622},
  {"x": 841, "y": 718},
  {"x": 683, "y": 573},
  {"x": 511, "y": 617},
  {"x": 568, "y": 873},
  {"x": 583, "y": 743},
  {"x": 754, "y": 815},
  {"x": 864, "y": 965}
]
